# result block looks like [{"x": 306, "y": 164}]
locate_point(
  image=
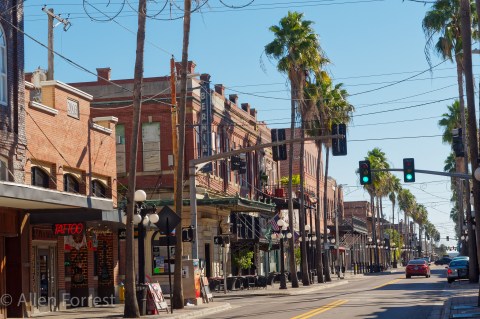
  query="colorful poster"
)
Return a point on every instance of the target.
[{"x": 159, "y": 265}]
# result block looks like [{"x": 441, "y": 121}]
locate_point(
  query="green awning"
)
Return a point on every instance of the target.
[{"x": 235, "y": 204}]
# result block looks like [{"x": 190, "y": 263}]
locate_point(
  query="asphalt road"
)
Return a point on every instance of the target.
[{"x": 389, "y": 296}]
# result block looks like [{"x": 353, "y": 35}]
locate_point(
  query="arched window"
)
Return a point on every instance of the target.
[
  {"x": 3, "y": 169},
  {"x": 98, "y": 189},
  {"x": 3, "y": 68},
  {"x": 70, "y": 184},
  {"x": 39, "y": 177}
]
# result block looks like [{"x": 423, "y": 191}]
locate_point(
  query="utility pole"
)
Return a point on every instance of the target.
[
  {"x": 173, "y": 89},
  {"x": 66, "y": 25}
]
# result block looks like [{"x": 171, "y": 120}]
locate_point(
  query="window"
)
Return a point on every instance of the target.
[
  {"x": 3, "y": 170},
  {"x": 151, "y": 146},
  {"x": 70, "y": 184},
  {"x": 120, "y": 144},
  {"x": 72, "y": 108},
  {"x": 3, "y": 68},
  {"x": 39, "y": 177},
  {"x": 98, "y": 189}
]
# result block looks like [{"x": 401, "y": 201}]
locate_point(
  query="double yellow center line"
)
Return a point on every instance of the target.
[{"x": 318, "y": 311}]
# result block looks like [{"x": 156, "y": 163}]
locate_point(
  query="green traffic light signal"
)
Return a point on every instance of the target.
[
  {"x": 365, "y": 172},
  {"x": 408, "y": 170}
]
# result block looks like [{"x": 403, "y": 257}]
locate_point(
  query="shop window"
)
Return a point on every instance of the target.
[
  {"x": 98, "y": 189},
  {"x": 70, "y": 184},
  {"x": 39, "y": 177},
  {"x": 3, "y": 68},
  {"x": 3, "y": 170}
]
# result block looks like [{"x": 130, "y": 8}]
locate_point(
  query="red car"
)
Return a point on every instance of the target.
[{"x": 417, "y": 267}]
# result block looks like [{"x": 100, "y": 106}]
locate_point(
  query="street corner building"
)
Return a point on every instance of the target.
[{"x": 58, "y": 223}]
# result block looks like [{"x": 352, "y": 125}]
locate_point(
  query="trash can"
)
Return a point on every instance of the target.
[{"x": 121, "y": 293}]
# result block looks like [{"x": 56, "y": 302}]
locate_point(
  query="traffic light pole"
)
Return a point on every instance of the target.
[
  {"x": 458, "y": 175},
  {"x": 196, "y": 164}
]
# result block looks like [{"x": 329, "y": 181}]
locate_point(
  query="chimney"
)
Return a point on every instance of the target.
[
  {"x": 190, "y": 67},
  {"x": 220, "y": 89},
  {"x": 103, "y": 75},
  {"x": 253, "y": 113},
  {"x": 246, "y": 107},
  {"x": 233, "y": 98}
]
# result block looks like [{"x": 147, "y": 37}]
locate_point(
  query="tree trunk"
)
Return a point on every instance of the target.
[
  {"x": 472, "y": 125},
  {"x": 325, "y": 216},
  {"x": 319, "y": 245},
  {"x": 291, "y": 241},
  {"x": 472, "y": 245},
  {"x": 301, "y": 211},
  {"x": 131, "y": 306},
  {"x": 178, "y": 300}
]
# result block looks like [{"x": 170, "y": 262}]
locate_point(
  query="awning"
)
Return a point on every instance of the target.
[
  {"x": 74, "y": 215},
  {"x": 234, "y": 204},
  {"x": 29, "y": 197}
]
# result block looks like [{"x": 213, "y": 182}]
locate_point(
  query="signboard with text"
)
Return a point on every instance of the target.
[
  {"x": 206, "y": 116},
  {"x": 68, "y": 229}
]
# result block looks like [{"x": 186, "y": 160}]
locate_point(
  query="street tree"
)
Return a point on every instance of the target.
[{"x": 296, "y": 48}]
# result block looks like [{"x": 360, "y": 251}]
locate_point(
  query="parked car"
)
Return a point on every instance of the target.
[
  {"x": 417, "y": 267},
  {"x": 457, "y": 269},
  {"x": 461, "y": 257},
  {"x": 443, "y": 261}
]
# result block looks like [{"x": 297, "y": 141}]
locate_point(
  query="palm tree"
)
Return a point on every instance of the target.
[
  {"x": 445, "y": 20},
  {"x": 420, "y": 217},
  {"x": 393, "y": 187},
  {"x": 296, "y": 48},
  {"x": 466, "y": 22},
  {"x": 407, "y": 203},
  {"x": 378, "y": 160},
  {"x": 313, "y": 97}
]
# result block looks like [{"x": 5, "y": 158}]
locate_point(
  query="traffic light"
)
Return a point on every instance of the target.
[
  {"x": 408, "y": 170},
  {"x": 280, "y": 151},
  {"x": 243, "y": 164},
  {"x": 235, "y": 162},
  {"x": 448, "y": 238},
  {"x": 187, "y": 234},
  {"x": 457, "y": 143},
  {"x": 218, "y": 240},
  {"x": 365, "y": 172},
  {"x": 339, "y": 145}
]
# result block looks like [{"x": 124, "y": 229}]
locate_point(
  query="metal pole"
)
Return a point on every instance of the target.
[
  {"x": 283, "y": 280},
  {"x": 337, "y": 235},
  {"x": 224, "y": 260},
  {"x": 141, "y": 263}
]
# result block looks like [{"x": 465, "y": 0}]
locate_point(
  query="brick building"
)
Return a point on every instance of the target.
[
  {"x": 228, "y": 203},
  {"x": 54, "y": 169}
]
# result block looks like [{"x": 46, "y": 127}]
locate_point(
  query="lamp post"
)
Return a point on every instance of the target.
[
  {"x": 283, "y": 233},
  {"x": 143, "y": 216}
]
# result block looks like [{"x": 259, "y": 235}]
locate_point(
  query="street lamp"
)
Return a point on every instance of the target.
[
  {"x": 394, "y": 248},
  {"x": 283, "y": 232},
  {"x": 142, "y": 217}
]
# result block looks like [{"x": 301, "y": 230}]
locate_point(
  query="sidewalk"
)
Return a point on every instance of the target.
[
  {"x": 116, "y": 312},
  {"x": 462, "y": 301}
]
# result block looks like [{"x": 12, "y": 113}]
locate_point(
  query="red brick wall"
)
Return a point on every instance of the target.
[{"x": 62, "y": 141}]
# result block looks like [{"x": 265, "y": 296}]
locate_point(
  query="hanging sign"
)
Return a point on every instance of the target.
[
  {"x": 206, "y": 117},
  {"x": 68, "y": 229}
]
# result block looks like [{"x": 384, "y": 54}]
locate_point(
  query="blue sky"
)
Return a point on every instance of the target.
[{"x": 370, "y": 43}]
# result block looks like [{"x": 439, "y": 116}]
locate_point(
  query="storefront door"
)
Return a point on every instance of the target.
[{"x": 45, "y": 278}]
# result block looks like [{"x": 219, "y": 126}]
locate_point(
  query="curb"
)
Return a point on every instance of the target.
[{"x": 446, "y": 309}]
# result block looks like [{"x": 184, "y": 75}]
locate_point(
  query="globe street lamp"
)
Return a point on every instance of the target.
[
  {"x": 142, "y": 217},
  {"x": 283, "y": 232},
  {"x": 394, "y": 248}
]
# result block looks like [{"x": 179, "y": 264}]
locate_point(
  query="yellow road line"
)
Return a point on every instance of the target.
[
  {"x": 317, "y": 311},
  {"x": 388, "y": 283}
]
